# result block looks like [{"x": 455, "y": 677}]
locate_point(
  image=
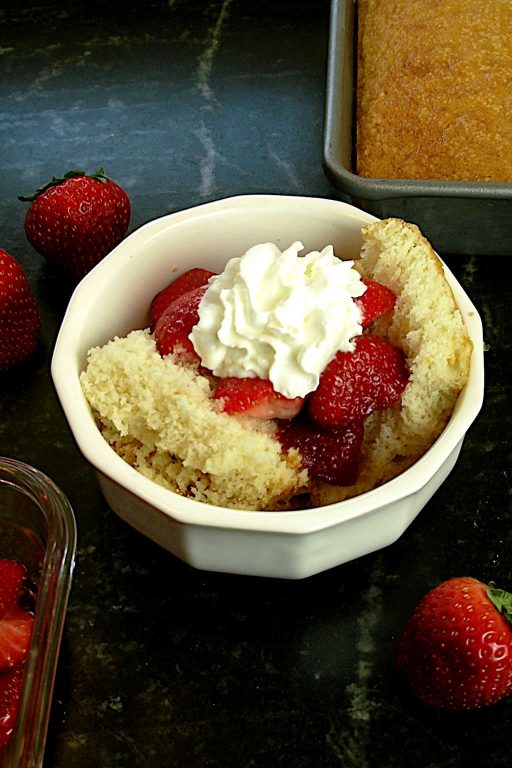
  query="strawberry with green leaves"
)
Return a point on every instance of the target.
[
  {"x": 456, "y": 649},
  {"x": 20, "y": 323},
  {"x": 75, "y": 220}
]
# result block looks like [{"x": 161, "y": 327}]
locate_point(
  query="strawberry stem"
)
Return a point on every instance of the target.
[
  {"x": 501, "y": 599},
  {"x": 99, "y": 175}
]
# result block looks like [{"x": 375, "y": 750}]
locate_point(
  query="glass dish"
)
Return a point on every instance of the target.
[{"x": 37, "y": 527}]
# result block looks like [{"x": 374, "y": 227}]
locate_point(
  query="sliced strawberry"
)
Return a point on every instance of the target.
[
  {"x": 12, "y": 576},
  {"x": 375, "y": 301},
  {"x": 256, "y": 398},
  {"x": 15, "y": 630},
  {"x": 330, "y": 456},
  {"x": 354, "y": 384},
  {"x": 191, "y": 279},
  {"x": 175, "y": 324},
  {"x": 11, "y": 684}
]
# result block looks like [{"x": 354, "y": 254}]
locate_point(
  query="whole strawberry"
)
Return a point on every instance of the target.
[
  {"x": 456, "y": 649},
  {"x": 19, "y": 319},
  {"x": 74, "y": 221}
]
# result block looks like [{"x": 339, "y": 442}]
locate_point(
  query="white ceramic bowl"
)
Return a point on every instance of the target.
[{"x": 114, "y": 298}]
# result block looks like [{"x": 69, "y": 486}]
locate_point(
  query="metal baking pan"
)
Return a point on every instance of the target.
[{"x": 458, "y": 217}]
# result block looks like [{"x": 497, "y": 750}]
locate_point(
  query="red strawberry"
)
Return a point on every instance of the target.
[
  {"x": 375, "y": 301},
  {"x": 19, "y": 319},
  {"x": 74, "y": 221},
  {"x": 456, "y": 649},
  {"x": 11, "y": 684},
  {"x": 12, "y": 576},
  {"x": 354, "y": 384},
  {"x": 15, "y": 630},
  {"x": 256, "y": 398},
  {"x": 330, "y": 456},
  {"x": 191, "y": 279},
  {"x": 175, "y": 324}
]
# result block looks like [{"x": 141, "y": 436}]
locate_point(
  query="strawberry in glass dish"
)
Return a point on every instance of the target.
[
  {"x": 455, "y": 652},
  {"x": 15, "y": 631},
  {"x": 11, "y": 684},
  {"x": 20, "y": 323},
  {"x": 12, "y": 577},
  {"x": 75, "y": 220}
]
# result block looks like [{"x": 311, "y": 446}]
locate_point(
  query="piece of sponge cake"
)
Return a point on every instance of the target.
[{"x": 427, "y": 325}]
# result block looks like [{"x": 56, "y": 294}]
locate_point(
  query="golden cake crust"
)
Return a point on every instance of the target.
[{"x": 434, "y": 89}]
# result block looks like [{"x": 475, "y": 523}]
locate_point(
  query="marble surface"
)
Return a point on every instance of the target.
[{"x": 161, "y": 665}]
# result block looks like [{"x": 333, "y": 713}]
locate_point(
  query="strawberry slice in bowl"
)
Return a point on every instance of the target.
[
  {"x": 330, "y": 456},
  {"x": 354, "y": 384},
  {"x": 174, "y": 325},
  {"x": 256, "y": 398},
  {"x": 376, "y": 301},
  {"x": 188, "y": 281}
]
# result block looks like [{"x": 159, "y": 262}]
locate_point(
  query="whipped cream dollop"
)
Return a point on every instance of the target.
[{"x": 279, "y": 316}]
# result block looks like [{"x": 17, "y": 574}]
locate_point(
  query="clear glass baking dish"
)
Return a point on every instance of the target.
[{"x": 37, "y": 527}]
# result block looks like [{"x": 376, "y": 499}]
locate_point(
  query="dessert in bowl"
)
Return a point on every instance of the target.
[{"x": 304, "y": 526}]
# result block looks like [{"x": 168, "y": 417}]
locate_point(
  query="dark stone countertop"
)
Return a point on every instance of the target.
[{"x": 162, "y": 665}]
